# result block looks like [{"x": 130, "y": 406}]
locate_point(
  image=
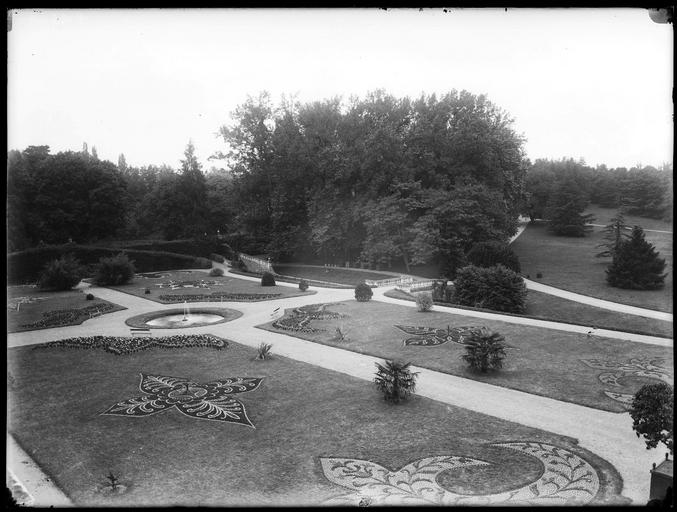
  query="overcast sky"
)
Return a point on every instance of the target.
[{"x": 591, "y": 83}]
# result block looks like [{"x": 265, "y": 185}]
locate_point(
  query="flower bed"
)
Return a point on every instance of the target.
[
  {"x": 122, "y": 345},
  {"x": 301, "y": 317},
  {"x": 63, "y": 317},
  {"x": 218, "y": 296}
]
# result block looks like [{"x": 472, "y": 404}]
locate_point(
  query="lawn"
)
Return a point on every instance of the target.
[
  {"x": 549, "y": 307},
  {"x": 341, "y": 275},
  {"x": 604, "y": 215},
  {"x": 193, "y": 285},
  {"x": 544, "y": 362},
  {"x": 303, "y": 416},
  {"x": 570, "y": 263},
  {"x": 39, "y": 309}
]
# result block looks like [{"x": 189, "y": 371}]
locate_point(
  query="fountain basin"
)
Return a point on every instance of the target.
[{"x": 180, "y": 319}]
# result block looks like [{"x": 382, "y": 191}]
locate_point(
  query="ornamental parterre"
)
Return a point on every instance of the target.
[
  {"x": 433, "y": 337},
  {"x": 123, "y": 345},
  {"x": 300, "y": 318},
  {"x": 218, "y": 297},
  {"x": 209, "y": 401},
  {"x": 68, "y": 316}
]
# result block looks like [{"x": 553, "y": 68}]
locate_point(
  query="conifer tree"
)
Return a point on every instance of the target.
[
  {"x": 636, "y": 265},
  {"x": 565, "y": 210},
  {"x": 614, "y": 234}
]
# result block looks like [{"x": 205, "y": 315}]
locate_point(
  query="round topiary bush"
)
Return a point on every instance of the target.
[
  {"x": 488, "y": 254},
  {"x": 303, "y": 285},
  {"x": 61, "y": 274},
  {"x": 115, "y": 270},
  {"x": 267, "y": 279},
  {"x": 89, "y": 296},
  {"x": 215, "y": 272},
  {"x": 363, "y": 292},
  {"x": 424, "y": 301},
  {"x": 497, "y": 288}
]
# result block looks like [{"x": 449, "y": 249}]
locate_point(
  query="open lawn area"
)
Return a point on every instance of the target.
[
  {"x": 604, "y": 215},
  {"x": 549, "y": 307},
  {"x": 197, "y": 286},
  {"x": 339, "y": 275},
  {"x": 570, "y": 263},
  {"x": 542, "y": 361},
  {"x": 318, "y": 436},
  {"x": 39, "y": 309}
]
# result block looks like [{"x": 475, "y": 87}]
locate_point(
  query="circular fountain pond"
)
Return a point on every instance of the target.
[{"x": 184, "y": 317}]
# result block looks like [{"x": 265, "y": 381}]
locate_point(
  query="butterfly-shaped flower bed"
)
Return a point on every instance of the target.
[
  {"x": 208, "y": 401},
  {"x": 300, "y": 318},
  {"x": 646, "y": 367},
  {"x": 567, "y": 479},
  {"x": 433, "y": 337},
  {"x": 122, "y": 345}
]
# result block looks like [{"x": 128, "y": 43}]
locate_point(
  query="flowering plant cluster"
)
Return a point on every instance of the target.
[
  {"x": 63, "y": 317},
  {"x": 218, "y": 296},
  {"x": 121, "y": 345}
]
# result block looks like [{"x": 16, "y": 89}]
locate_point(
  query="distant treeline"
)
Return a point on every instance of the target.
[{"x": 378, "y": 180}]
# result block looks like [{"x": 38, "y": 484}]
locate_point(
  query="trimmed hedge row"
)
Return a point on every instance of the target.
[
  {"x": 26, "y": 266},
  {"x": 197, "y": 247}
]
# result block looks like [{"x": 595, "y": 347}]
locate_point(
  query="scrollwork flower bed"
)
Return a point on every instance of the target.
[
  {"x": 217, "y": 297},
  {"x": 122, "y": 345},
  {"x": 301, "y": 317},
  {"x": 62, "y": 317}
]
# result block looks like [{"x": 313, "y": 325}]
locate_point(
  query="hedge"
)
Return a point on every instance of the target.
[
  {"x": 25, "y": 266},
  {"x": 198, "y": 247}
]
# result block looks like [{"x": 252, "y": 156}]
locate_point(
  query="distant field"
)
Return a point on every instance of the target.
[
  {"x": 570, "y": 263},
  {"x": 603, "y": 216},
  {"x": 339, "y": 275}
]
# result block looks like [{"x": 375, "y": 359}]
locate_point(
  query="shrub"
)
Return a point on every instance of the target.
[
  {"x": 147, "y": 291},
  {"x": 424, "y": 301},
  {"x": 488, "y": 254},
  {"x": 652, "y": 413},
  {"x": 497, "y": 288},
  {"x": 61, "y": 274},
  {"x": 636, "y": 265},
  {"x": 115, "y": 270},
  {"x": 303, "y": 285},
  {"x": 395, "y": 380},
  {"x": 538, "y": 275},
  {"x": 264, "y": 351},
  {"x": 89, "y": 296},
  {"x": 363, "y": 292},
  {"x": 484, "y": 351},
  {"x": 267, "y": 279},
  {"x": 217, "y": 257},
  {"x": 215, "y": 272}
]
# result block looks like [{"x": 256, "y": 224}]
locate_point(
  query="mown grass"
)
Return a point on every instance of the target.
[
  {"x": 570, "y": 263},
  {"x": 224, "y": 284},
  {"x": 301, "y": 413},
  {"x": 48, "y": 301},
  {"x": 547, "y": 362},
  {"x": 339, "y": 275},
  {"x": 549, "y": 307},
  {"x": 604, "y": 215}
]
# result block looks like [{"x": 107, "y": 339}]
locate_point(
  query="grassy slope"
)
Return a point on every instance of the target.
[
  {"x": 548, "y": 362},
  {"x": 53, "y": 301},
  {"x": 603, "y": 216},
  {"x": 550, "y": 307},
  {"x": 570, "y": 264},
  {"x": 301, "y": 413},
  {"x": 340, "y": 275},
  {"x": 224, "y": 284}
]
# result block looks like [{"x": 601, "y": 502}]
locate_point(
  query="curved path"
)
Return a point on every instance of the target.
[
  {"x": 609, "y": 435},
  {"x": 586, "y": 299}
]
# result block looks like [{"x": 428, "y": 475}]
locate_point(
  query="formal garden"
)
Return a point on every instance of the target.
[
  {"x": 127, "y": 417},
  {"x": 566, "y": 366}
]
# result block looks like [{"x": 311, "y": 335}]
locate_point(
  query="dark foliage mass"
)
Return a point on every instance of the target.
[
  {"x": 652, "y": 413},
  {"x": 363, "y": 292},
  {"x": 484, "y": 351},
  {"x": 636, "y": 264},
  {"x": 115, "y": 270},
  {"x": 61, "y": 274},
  {"x": 488, "y": 254},
  {"x": 497, "y": 288},
  {"x": 267, "y": 279},
  {"x": 395, "y": 380}
]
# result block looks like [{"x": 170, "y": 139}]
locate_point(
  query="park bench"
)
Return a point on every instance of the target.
[{"x": 140, "y": 331}]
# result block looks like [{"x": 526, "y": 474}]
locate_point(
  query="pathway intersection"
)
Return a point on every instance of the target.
[{"x": 608, "y": 435}]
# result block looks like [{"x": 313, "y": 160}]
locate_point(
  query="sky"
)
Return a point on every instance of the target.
[{"x": 594, "y": 84}]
